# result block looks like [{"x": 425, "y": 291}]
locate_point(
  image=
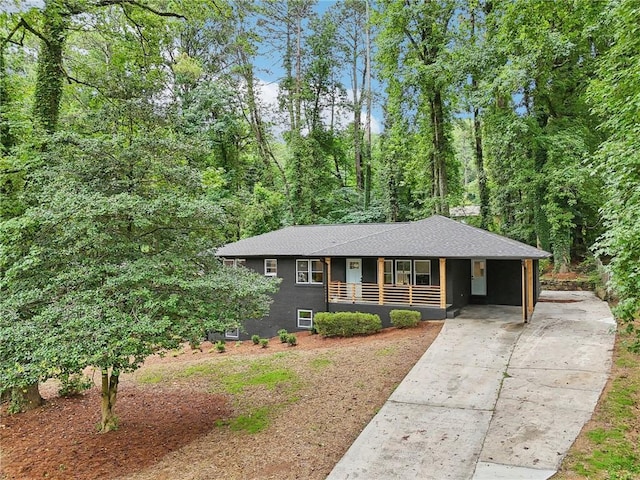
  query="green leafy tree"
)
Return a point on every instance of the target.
[
  {"x": 111, "y": 262},
  {"x": 615, "y": 95}
]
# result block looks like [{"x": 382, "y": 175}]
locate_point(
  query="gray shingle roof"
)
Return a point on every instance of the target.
[{"x": 435, "y": 236}]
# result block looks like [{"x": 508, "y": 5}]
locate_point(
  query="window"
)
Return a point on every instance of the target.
[
  {"x": 305, "y": 319},
  {"x": 234, "y": 262},
  {"x": 309, "y": 271},
  {"x": 403, "y": 272},
  {"x": 422, "y": 273},
  {"x": 270, "y": 267},
  {"x": 388, "y": 272},
  {"x": 232, "y": 333}
]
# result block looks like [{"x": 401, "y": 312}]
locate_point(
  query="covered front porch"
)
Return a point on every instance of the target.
[{"x": 390, "y": 287}]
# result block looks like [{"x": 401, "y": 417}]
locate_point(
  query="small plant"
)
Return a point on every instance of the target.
[
  {"x": 292, "y": 340},
  {"x": 283, "y": 334},
  {"x": 255, "y": 339},
  {"x": 264, "y": 342},
  {"x": 220, "y": 347},
  {"x": 405, "y": 318},
  {"x": 74, "y": 384},
  {"x": 239, "y": 343}
]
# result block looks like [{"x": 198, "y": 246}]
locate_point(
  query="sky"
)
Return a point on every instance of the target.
[{"x": 270, "y": 72}]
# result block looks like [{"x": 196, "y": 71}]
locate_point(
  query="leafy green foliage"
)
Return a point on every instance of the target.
[
  {"x": 346, "y": 324},
  {"x": 110, "y": 261},
  {"x": 282, "y": 334},
  {"x": 616, "y": 97},
  {"x": 405, "y": 318},
  {"x": 74, "y": 384}
]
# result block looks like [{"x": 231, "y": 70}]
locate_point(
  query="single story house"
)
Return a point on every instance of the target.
[{"x": 436, "y": 265}]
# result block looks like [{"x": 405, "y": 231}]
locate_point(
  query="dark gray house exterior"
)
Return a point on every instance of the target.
[{"x": 436, "y": 266}]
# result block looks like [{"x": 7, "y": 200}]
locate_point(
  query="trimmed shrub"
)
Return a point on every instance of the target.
[
  {"x": 346, "y": 324},
  {"x": 255, "y": 339},
  {"x": 405, "y": 318},
  {"x": 264, "y": 342},
  {"x": 292, "y": 340},
  {"x": 283, "y": 335}
]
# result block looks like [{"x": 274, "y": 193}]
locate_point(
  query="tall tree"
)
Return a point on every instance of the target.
[
  {"x": 414, "y": 47},
  {"x": 615, "y": 95},
  {"x": 541, "y": 130}
]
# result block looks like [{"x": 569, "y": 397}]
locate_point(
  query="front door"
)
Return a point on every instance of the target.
[
  {"x": 478, "y": 277},
  {"x": 354, "y": 278}
]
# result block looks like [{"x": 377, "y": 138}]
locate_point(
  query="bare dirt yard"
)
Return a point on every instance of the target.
[{"x": 250, "y": 413}]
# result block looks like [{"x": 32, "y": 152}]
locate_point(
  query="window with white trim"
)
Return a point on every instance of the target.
[
  {"x": 271, "y": 267},
  {"x": 233, "y": 333},
  {"x": 403, "y": 272},
  {"x": 309, "y": 271},
  {"x": 305, "y": 319},
  {"x": 422, "y": 272}
]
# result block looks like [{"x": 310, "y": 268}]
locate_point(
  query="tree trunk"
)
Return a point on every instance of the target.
[
  {"x": 357, "y": 112},
  {"x": 109, "y": 395},
  {"x": 477, "y": 132},
  {"x": 367, "y": 154},
  {"x": 26, "y": 398},
  {"x": 482, "y": 174},
  {"x": 50, "y": 75},
  {"x": 440, "y": 154}
]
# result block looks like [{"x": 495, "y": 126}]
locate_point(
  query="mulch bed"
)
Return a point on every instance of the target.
[{"x": 61, "y": 441}]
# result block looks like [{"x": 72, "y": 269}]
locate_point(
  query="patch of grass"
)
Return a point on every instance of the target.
[
  {"x": 200, "y": 370},
  {"x": 253, "y": 422},
  {"x": 386, "y": 351},
  {"x": 269, "y": 378},
  {"x": 151, "y": 377},
  {"x": 320, "y": 363},
  {"x": 600, "y": 435}
]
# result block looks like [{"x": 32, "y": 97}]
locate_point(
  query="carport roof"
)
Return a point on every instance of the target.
[{"x": 436, "y": 236}]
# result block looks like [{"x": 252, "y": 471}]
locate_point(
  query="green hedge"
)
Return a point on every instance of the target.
[
  {"x": 346, "y": 324},
  {"x": 405, "y": 318}
]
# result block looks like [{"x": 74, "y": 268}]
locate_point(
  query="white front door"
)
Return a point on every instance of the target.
[
  {"x": 354, "y": 277},
  {"x": 478, "y": 277}
]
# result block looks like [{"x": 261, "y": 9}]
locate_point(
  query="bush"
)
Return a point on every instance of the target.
[
  {"x": 405, "y": 318},
  {"x": 346, "y": 324},
  {"x": 264, "y": 342},
  {"x": 220, "y": 347},
  {"x": 255, "y": 339},
  {"x": 292, "y": 340},
  {"x": 74, "y": 384},
  {"x": 283, "y": 334}
]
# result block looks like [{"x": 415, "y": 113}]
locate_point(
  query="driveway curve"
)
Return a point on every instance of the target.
[{"x": 492, "y": 398}]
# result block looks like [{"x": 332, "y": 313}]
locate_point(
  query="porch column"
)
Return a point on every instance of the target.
[
  {"x": 327, "y": 260},
  {"x": 380, "y": 280},
  {"x": 524, "y": 292},
  {"x": 443, "y": 283},
  {"x": 529, "y": 263}
]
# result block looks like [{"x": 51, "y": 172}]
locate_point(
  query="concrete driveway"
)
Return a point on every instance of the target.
[{"x": 492, "y": 398}]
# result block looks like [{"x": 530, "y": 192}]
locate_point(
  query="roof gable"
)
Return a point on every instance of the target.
[{"x": 436, "y": 236}]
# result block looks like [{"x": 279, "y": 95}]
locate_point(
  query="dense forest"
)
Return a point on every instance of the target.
[{"x": 135, "y": 135}]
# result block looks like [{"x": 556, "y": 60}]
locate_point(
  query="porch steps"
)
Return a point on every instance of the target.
[{"x": 453, "y": 312}]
